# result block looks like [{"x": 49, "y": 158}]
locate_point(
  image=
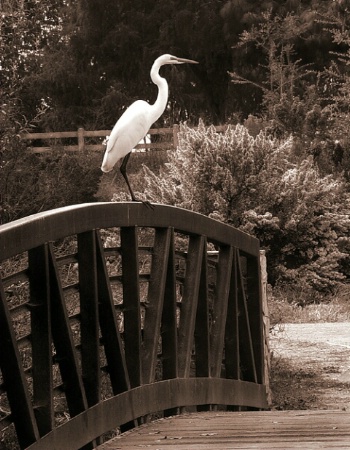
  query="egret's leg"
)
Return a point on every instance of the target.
[{"x": 125, "y": 175}]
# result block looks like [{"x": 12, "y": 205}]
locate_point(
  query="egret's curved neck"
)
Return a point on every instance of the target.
[{"x": 163, "y": 90}]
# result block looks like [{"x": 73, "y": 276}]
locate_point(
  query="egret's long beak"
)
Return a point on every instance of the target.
[{"x": 184, "y": 60}]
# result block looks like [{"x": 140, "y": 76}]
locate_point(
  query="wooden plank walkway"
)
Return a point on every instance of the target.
[{"x": 313, "y": 429}]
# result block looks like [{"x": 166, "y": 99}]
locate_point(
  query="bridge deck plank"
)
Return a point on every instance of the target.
[{"x": 313, "y": 429}]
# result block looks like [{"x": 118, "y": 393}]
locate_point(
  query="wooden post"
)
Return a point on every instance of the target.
[
  {"x": 175, "y": 132},
  {"x": 266, "y": 326},
  {"x": 81, "y": 142}
]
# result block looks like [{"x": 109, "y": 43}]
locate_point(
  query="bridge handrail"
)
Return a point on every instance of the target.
[
  {"x": 120, "y": 311},
  {"x": 50, "y": 225}
]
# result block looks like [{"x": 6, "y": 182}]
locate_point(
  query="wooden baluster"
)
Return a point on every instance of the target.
[
  {"x": 169, "y": 324},
  {"x": 220, "y": 308},
  {"x": 89, "y": 321},
  {"x": 112, "y": 341},
  {"x": 232, "y": 357},
  {"x": 189, "y": 304},
  {"x": 202, "y": 330},
  {"x": 169, "y": 319},
  {"x": 131, "y": 303},
  {"x": 64, "y": 344},
  {"x": 255, "y": 311},
  {"x": 153, "y": 315},
  {"x": 15, "y": 379},
  {"x": 39, "y": 280},
  {"x": 246, "y": 349},
  {"x": 232, "y": 353}
]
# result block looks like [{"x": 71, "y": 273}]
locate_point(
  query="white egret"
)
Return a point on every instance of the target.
[{"x": 135, "y": 122}]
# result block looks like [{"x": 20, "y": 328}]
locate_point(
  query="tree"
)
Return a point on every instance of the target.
[
  {"x": 97, "y": 71},
  {"x": 337, "y": 87},
  {"x": 283, "y": 83},
  {"x": 28, "y": 27},
  {"x": 274, "y": 45}
]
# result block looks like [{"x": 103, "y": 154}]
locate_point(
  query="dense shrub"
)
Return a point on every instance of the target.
[{"x": 263, "y": 186}]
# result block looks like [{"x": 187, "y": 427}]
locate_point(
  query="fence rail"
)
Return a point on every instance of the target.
[
  {"x": 166, "y": 138},
  {"x": 110, "y": 312}
]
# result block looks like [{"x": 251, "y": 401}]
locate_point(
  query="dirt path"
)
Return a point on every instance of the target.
[{"x": 321, "y": 353}]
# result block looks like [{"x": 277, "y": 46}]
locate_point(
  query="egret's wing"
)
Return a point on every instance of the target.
[
  {"x": 127, "y": 133},
  {"x": 130, "y": 129}
]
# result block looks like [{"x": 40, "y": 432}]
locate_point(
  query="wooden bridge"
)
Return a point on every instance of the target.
[{"x": 112, "y": 315}]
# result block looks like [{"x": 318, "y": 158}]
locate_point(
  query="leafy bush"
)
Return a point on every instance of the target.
[{"x": 266, "y": 188}]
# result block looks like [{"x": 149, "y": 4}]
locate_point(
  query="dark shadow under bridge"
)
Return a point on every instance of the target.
[{"x": 111, "y": 312}]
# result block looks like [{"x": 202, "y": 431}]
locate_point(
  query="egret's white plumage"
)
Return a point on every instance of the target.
[{"x": 135, "y": 122}]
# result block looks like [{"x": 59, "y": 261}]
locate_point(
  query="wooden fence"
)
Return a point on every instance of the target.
[
  {"x": 112, "y": 311},
  {"x": 161, "y": 138}
]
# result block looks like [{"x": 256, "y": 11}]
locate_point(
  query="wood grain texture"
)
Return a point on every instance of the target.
[
  {"x": 241, "y": 430},
  {"x": 32, "y": 231}
]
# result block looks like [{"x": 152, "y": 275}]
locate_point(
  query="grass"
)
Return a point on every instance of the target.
[{"x": 289, "y": 306}]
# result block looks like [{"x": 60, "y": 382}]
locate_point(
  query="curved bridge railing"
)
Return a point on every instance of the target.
[{"x": 110, "y": 312}]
